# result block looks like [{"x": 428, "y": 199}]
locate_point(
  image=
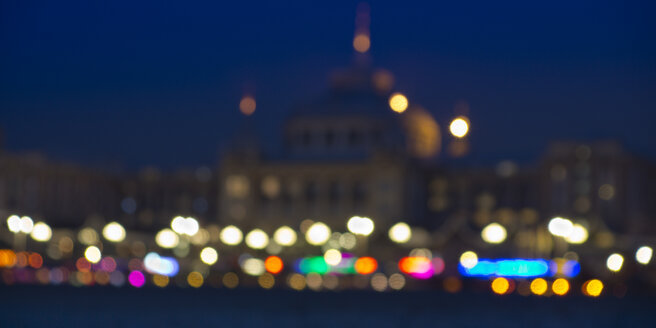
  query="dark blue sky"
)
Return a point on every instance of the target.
[{"x": 134, "y": 83}]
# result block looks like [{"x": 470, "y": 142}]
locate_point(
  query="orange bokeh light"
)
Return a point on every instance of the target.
[
  {"x": 35, "y": 260},
  {"x": 273, "y": 264},
  {"x": 500, "y": 285},
  {"x": 83, "y": 265},
  {"x": 7, "y": 258},
  {"x": 366, "y": 265},
  {"x": 560, "y": 286}
]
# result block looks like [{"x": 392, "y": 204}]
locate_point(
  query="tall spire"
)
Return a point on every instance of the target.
[{"x": 362, "y": 40}]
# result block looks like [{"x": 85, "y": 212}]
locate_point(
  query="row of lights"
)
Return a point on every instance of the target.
[
  {"x": 540, "y": 286},
  {"x": 459, "y": 127}
]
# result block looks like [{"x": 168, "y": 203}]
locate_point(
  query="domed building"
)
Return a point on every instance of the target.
[{"x": 346, "y": 153}]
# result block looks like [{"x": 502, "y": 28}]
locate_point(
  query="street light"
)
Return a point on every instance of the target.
[
  {"x": 41, "y": 232},
  {"x": 360, "y": 225}
]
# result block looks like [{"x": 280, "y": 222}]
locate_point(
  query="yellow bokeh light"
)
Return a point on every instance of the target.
[
  {"x": 578, "y": 235},
  {"x": 468, "y": 259},
  {"x": 360, "y": 225},
  {"x": 614, "y": 262},
  {"x": 539, "y": 286},
  {"x": 166, "y": 238},
  {"x": 13, "y": 223},
  {"x": 361, "y": 43},
  {"x": 332, "y": 257},
  {"x": 195, "y": 279},
  {"x": 400, "y": 233},
  {"x": 87, "y": 236},
  {"x": 41, "y": 232},
  {"x": 257, "y": 239},
  {"x": 593, "y": 287},
  {"x": 398, "y": 102},
  {"x": 318, "y": 234},
  {"x": 266, "y": 280},
  {"x": 500, "y": 285},
  {"x": 253, "y": 267},
  {"x": 26, "y": 224},
  {"x": 285, "y": 236},
  {"x": 296, "y": 281},
  {"x": 92, "y": 254},
  {"x": 459, "y": 127},
  {"x": 643, "y": 254},
  {"x": 209, "y": 255},
  {"x": 494, "y": 233},
  {"x": 560, "y": 227},
  {"x": 230, "y": 280},
  {"x": 114, "y": 232},
  {"x": 247, "y": 105},
  {"x": 160, "y": 280},
  {"x": 560, "y": 286},
  {"x": 231, "y": 235}
]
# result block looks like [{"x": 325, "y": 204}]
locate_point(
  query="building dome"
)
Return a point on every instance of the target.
[{"x": 353, "y": 120}]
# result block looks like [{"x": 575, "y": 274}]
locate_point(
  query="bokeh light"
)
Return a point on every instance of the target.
[
  {"x": 500, "y": 285},
  {"x": 578, "y": 235},
  {"x": 361, "y": 43},
  {"x": 560, "y": 227},
  {"x": 379, "y": 282},
  {"x": 396, "y": 281},
  {"x": 643, "y": 254},
  {"x": 560, "y": 286},
  {"x": 92, "y": 254},
  {"x": 13, "y": 223},
  {"x": 593, "y": 287},
  {"x": 247, "y": 105},
  {"x": 257, "y": 239},
  {"x": 195, "y": 279},
  {"x": 253, "y": 267},
  {"x": 468, "y": 259},
  {"x": 41, "y": 232},
  {"x": 266, "y": 280},
  {"x": 114, "y": 232},
  {"x": 614, "y": 262},
  {"x": 332, "y": 257},
  {"x": 87, "y": 236},
  {"x": 317, "y": 234},
  {"x": 285, "y": 236},
  {"x": 231, "y": 235},
  {"x": 273, "y": 264},
  {"x": 398, "y": 102},
  {"x": 185, "y": 226},
  {"x": 494, "y": 233},
  {"x": 365, "y": 265},
  {"x": 459, "y": 127},
  {"x": 230, "y": 280},
  {"x": 539, "y": 286},
  {"x": 360, "y": 225},
  {"x": 26, "y": 224},
  {"x": 209, "y": 255},
  {"x": 166, "y": 238},
  {"x": 400, "y": 233},
  {"x": 136, "y": 279}
]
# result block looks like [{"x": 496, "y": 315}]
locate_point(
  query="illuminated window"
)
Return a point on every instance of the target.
[
  {"x": 270, "y": 186},
  {"x": 237, "y": 186}
]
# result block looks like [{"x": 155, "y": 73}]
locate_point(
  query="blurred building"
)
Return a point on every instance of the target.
[{"x": 345, "y": 154}]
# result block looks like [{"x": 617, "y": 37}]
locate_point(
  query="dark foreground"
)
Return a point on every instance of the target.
[{"x": 32, "y": 306}]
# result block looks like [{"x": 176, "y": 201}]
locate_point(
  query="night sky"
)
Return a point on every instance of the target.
[{"x": 133, "y": 83}]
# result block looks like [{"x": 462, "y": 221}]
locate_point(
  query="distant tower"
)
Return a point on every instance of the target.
[{"x": 362, "y": 37}]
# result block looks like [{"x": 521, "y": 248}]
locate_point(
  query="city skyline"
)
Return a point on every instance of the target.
[{"x": 135, "y": 112}]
